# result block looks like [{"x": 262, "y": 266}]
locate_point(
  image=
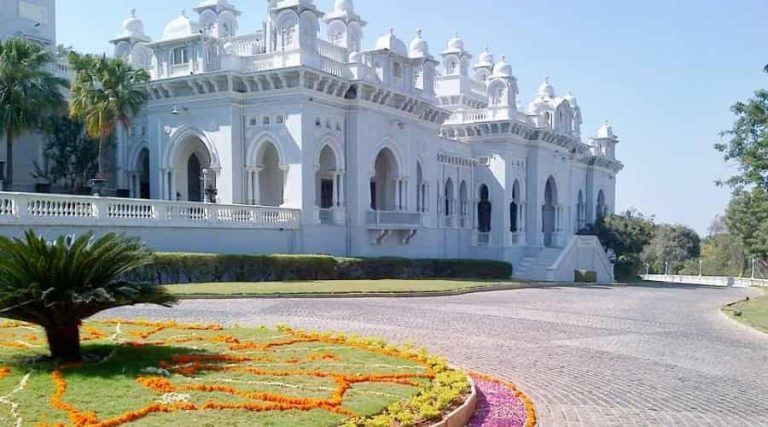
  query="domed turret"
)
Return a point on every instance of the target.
[
  {"x": 344, "y": 6},
  {"x": 419, "y": 47},
  {"x": 485, "y": 59},
  {"x": 546, "y": 90},
  {"x": 133, "y": 26},
  {"x": 456, "y": 43},
  {"x": 502, "y": 68},
  {"x": 391, "y": 43},
  {"x": 178, "y": 28}
]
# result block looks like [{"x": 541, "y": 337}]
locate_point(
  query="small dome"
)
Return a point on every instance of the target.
[
  {"x": 546, "y": 89},
  {"x": 355, "y": 57},
  {"x": 133, "y": 26},
  {"x": 605, "y": 131},
  {"x": 502, "y": 68},
  {"x": 485, "y": 59},
  {"x": 455, "y": 43},
  {"x": 178, "y": 28},
  {"x": 572, "y": 100},
  {"x": 344, "y": 6},
  {"x": 391, "y": 43},
  {"x": 419, "y": 47}
]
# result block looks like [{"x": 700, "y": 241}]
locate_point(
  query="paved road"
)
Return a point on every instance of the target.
[{"x": 599, "y": 356}]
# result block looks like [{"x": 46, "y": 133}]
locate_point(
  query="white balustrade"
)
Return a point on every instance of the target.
[
  {"x": 724, "y": 281},
  {"x": 28, "y": 210},
  {"x": 331, "y": 51}
]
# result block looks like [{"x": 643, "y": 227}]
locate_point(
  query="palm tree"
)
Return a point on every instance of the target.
[
  {"x": 107, "y": 92},
  {"x": 59, "y": 284},
  {"x": 28, "y": 92}
]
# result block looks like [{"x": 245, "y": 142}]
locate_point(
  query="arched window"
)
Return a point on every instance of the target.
[
  {"x": 463, "y": 199},
  {"x": 514, "y": 209},
  {"x": 421, "y": 190},
  {"x": 386, "y": 188},
  {"x": 484, "y": 210},
  {"x": 271, "y": 177},
  {"x": 327, "y": 177},
  {"x": 449, "y": 198},
  {"x": 549, "y": 213},
  {"x": 601, "y": 210}
]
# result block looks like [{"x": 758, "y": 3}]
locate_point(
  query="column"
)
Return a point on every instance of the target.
[{"x": 171, "y": 186}]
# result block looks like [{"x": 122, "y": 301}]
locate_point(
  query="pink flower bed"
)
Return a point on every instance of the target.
[{"x": 497, "y": 405}]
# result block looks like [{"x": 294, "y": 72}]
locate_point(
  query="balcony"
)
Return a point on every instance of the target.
[{"x": 394, "y": 220}]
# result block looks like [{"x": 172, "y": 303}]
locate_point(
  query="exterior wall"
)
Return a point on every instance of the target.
[{"x": 32, "y": 19}]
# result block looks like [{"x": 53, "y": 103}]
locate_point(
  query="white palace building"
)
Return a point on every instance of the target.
[{"x": 282, "y": 141}]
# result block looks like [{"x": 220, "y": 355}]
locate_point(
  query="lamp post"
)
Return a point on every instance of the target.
[
  {"x": 753, "y": 268},
  {"x": 2, "y": 175},
  {"x": 701, "y": 268},
  {"x": 647, "y": 269},
  {"x": 666, "y": 268}
]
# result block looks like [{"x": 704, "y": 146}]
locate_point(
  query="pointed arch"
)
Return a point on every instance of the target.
[
  {"x": 549, "y": 212},
  {"x": 178, "y": 138},
  {"x": 386, "y": 189},
  {"x": 515, "y": 207},
  {"x": 484, "y": 209}
]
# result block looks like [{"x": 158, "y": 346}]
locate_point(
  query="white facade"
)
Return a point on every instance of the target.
[{"x": 388, "y": 150}]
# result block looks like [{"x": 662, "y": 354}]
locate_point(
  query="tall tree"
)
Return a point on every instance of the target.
[
  {"x": 671, "y": 245},
  {"x": 747, "y": 218},
  {"x": 28, "y": 91},
  {"x": 625, "y": 234},
  {"x": 748, "y": 144},
  {"x": 71, "y": 156},
  {"x": 107, "y": 93}
]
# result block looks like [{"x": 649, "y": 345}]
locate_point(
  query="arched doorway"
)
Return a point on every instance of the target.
[
  {"x": 190, "y": 183},
  {"x": 421, "y": 189},
  {"x": 271, "y": 176},
  {"x": 385, "y": 185},
  {"x": 484, "y": 210},
  {"x": 549, "y": 212},
  {"x": 194, "y": 179},
  {"x": 327, "y": 179},
  {"x": 141, "y": 183},
  {"x": 463, "y": 203}
]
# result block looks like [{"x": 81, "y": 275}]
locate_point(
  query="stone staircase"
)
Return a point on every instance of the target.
[{"x": 534, "y": 268}]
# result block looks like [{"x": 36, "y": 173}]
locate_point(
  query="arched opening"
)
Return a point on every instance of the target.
[
  {"x": 421, "y": 189},
  {"x": 549, "y": 212},
  {"x": 327, "y": 177},
  {"x": 386, "y": 189},
  {"x": 449, "y": 198},
  {"x": 193, "y": 176},
  {"x": 463, "y": 203},
  {"x": 514, "y": 208},
  {"x": 271, "y": 177},
  {"x": 601, "y": 210},
  {"x": 141, "y": 179},
  {"x": 581, "y": 220},
  {"x": 484, "y": 210}
]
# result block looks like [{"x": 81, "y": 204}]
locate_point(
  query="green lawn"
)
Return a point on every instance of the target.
[
  {"x": 335, "y": 287},
  {"x": 753, "y": 312}
]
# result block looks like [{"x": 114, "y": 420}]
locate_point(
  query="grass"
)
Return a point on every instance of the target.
[
  {"x": 257, "y": 366},
  {"x": 753, "y": 313},
  {"x": 334, "y": 287}
]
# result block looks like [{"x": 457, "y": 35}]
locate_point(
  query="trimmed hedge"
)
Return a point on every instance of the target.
[
  {"x": 585, "y": 276},
  {"x": 172, "y": 268}
]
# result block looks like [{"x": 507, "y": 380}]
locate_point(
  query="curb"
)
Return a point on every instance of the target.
[{"x": 460, "y": 416}]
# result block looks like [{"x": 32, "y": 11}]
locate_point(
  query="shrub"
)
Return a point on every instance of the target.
[{"x": 171, "y": 268}]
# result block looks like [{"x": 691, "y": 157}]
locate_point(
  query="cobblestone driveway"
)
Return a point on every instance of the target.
[{"x": 598, "y": 356}]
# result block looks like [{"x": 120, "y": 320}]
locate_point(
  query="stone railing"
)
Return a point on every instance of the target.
[
  {"x": 329, "y": 50},
  {"x": 29, "y": 210},
  {"x": 246, "y": 45},
  {"x": 724, "y": 281},
  {"x": 394, "y": 219}
]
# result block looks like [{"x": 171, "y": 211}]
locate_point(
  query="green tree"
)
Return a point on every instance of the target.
[
  {"x": 673, "y": 244},
  {"x": 748, "y": 144},
  {"x": 59, "y": 284},
  {"x": 28, "y": 91},
  {"x": 71, "y": 156},
  {"x": 747, "y": 218},
  {"x": 107, "y": 93},
  {"x": 625, "y": 234}
]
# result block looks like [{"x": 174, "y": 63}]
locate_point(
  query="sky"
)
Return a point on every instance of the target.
[{"x": 663, "y": 72}]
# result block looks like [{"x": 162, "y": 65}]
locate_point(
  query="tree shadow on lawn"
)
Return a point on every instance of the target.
[{"x": 107, "y": 360}]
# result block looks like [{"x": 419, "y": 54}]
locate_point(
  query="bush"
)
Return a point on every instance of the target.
[{"x": 171, "y": 268}]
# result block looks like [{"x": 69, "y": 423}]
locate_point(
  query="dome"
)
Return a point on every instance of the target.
[
  {"x": 605, "y": 132},
  {"x": 455, "y": 43},
  {"x": 572, "y": 100},
  {"x": 419, "y": 47},
  {"x": 485, "y": 59},
  {"x": 502, "y": 68},
  {"x": 546, "y": 89},
  {"x": 178, "y": 28},
  {"x": 344, "y": 6},
  {"x": 133, "y": 26},
  {"x": 391, "y": 43}
]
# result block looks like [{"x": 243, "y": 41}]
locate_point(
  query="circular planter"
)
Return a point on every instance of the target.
[{"x": 460, "y": 416}]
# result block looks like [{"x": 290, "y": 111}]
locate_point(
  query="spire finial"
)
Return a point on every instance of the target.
[
  {"x": 392, "y": 31},
  {"x": 418, "y": 33},
  {"x": 183, "y": 13},
  {"x": 133, "y": 12}
]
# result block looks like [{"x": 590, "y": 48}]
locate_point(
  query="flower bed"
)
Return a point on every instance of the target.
[
  {"x": 146, "y": 373},
  {"x": 501, "y": 404}
]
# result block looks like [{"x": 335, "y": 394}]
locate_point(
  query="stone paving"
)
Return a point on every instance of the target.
[{"x": 596, "y": 356}]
